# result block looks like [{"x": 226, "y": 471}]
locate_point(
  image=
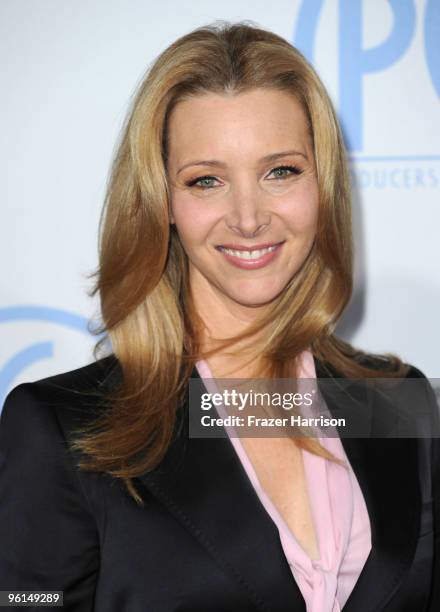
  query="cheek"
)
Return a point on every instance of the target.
[
  {"x": 300, "y": 212},
  {"x": 193, "y": 218}
]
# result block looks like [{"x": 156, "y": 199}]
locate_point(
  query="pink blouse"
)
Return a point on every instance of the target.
[{"x": 339, "y": 515}]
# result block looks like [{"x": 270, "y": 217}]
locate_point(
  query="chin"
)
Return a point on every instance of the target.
[
  {"x": 257, "y": 292},
  {"x": 254, "y": 299}
]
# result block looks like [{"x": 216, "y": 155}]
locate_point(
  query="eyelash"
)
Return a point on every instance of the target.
[{"x": 293, "y": 170}]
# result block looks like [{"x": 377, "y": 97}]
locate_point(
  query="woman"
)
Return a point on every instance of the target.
[{"x": 225, "y": 252}]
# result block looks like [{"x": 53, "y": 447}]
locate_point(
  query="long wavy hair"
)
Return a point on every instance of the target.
[{"x": 142, "y": 280}]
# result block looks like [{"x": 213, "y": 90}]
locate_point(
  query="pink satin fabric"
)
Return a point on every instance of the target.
[{"x": 339, "y": 514}]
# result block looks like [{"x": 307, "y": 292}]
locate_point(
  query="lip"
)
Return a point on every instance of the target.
[
  {"x": 254, "y": 247},
  {"x": 252, "y": 264}
]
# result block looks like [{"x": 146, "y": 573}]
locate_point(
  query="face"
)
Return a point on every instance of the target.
[{"x": 244, "y": 194}]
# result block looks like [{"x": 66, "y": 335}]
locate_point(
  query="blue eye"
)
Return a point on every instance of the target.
[
  {"x": 290, "y": 170},
  {"x": 206, "y": 182},
  {"x": 202, "y": 182}
]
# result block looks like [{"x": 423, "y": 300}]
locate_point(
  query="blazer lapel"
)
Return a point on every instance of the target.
[
  {"x": 205, "y": 487},
  {"x": 387, "y": 472}
]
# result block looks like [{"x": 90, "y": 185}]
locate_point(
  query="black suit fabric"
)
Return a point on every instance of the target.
[{"x": 203, "y": 541}]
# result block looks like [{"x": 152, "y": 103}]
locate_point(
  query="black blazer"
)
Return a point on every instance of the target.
[{"x": 203, "y": 541}]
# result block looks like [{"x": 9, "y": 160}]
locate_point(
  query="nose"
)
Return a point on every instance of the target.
[{"x": 247, "y": 215}]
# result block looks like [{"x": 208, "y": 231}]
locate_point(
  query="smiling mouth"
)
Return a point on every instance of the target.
[{"x": 247, "y": 253}]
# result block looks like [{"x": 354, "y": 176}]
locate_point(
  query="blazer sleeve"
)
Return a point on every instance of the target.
[
  {"x": 435, "y": 467},
  {"x": 48, "y": 534}
]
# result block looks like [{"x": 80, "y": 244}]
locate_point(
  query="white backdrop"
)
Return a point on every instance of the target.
[{"x": 68, "y": 72}]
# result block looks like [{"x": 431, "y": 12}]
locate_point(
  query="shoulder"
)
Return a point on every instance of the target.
[
  {"x": 89, "y": 379},
  {"x": 75, "y": 388},
  {"x": 385, "y": 363},
  {"x": 38, "y": 420},
  {"x": 411, "y": 391},
  {"x": 49, "y": 515},
  {"x": 389, "y": 364},
  {"x": 414, "y": 372},
  {"x": 358, "y": 364},
  {"x": 37, "y": 411}
]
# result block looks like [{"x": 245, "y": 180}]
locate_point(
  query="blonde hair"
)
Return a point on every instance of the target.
[{"x": 142, "y": 280}]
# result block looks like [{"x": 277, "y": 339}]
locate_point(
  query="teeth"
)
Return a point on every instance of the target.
[{"x": 249, "y": 254}]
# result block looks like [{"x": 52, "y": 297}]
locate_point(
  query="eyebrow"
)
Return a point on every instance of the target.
[{"x": 266, "y": 158}]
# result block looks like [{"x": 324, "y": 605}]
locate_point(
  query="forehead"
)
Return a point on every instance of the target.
[{"x": 248, "y": 121}]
